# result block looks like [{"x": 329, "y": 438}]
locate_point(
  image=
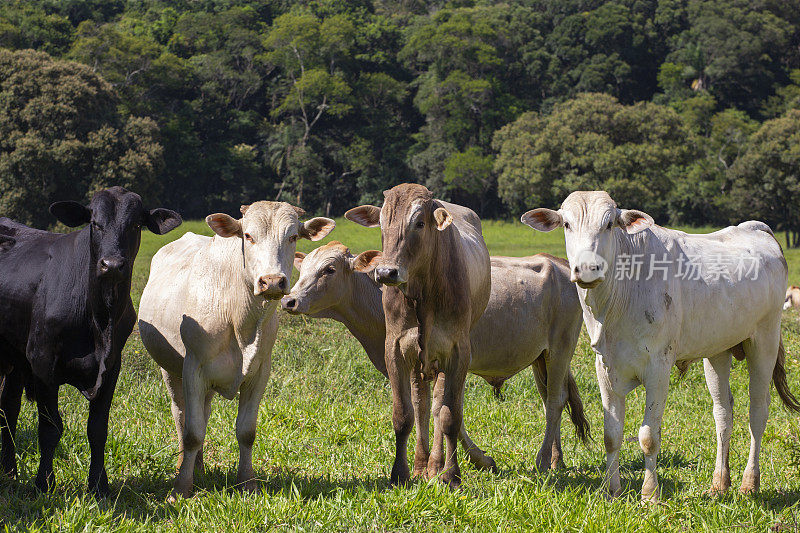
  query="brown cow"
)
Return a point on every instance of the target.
[{"x": 436, "y": 269}]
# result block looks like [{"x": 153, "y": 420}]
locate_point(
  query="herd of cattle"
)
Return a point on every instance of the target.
[{"x": 426, "y": 309}]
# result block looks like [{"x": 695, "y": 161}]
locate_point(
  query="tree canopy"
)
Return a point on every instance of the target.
[{"x": 501, "y": 106}]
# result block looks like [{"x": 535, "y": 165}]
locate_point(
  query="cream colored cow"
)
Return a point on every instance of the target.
[{"x": 207, "y": 317}]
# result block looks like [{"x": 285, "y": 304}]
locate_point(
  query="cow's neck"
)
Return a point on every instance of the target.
[
  {"x": 234, "y": 296},
  {"x": 608, "y": 302},
  {"x": 105, "y": 306},
  {"x": 363, "y": 316},
  {"x": 438, "y": 288}
]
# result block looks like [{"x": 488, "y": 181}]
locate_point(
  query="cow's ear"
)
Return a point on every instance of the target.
[
  {"x": 161, "y": 221},
  {"x": 366, "y": 261},
  {"x": 366, "y": 215},
  {"x": 299, "y": 210},
  {"x": 316, "y": 228},
  {"x": 542, "y": 219},
  {"x": 70, "y": 213},
  {"x": 443, "y": 218},
  {"x": 224, "y": 225},
  {"x": 6, "y": 242},
  {"x": 298, "y": 259},
  {"x": 634, "y": 221},
  {"x": 243, "y": 208}
]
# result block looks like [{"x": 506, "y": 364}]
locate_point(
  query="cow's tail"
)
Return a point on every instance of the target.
[
  {"x": 779, "y": 378},
  {"x": 576, "y": 412}
]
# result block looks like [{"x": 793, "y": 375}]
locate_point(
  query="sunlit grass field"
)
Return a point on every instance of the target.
[{"x": 325, "y": 444}]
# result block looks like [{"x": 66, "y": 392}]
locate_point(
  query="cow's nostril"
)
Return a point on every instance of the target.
[
  {"x": 291, "y": 304},
  {"x": 282, "y": 284}
]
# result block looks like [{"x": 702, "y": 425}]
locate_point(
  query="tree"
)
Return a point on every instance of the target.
[
  {"x": 470, "y": 172},
  {"x": 766, "y": 176},
  {"x": 61, "y": 137},
  {"x": 733, "y": 48},
  {"x": 593, "y": 142},
  {"x": 307, "y": 50}
]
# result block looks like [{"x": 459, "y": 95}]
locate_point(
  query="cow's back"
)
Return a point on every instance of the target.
[
  {"x": 472, "y": 248},
  {"x": 165, "y": 299},
  {"x": 533, "y": 304},
  {"x": 22, "y": 266}
]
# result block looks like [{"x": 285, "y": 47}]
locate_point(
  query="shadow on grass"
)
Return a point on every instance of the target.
[
  {"x": 143, "y": 499},
  {"x": 588, "y": 477}
]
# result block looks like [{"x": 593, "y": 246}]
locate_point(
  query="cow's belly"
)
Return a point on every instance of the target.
[{"x": 714, "y": 324}]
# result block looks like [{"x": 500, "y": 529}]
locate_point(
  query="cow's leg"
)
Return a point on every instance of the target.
[
  {"x": 656, "y": 384},
  {"x": 436, "y": 459},
  {"x": 50, "y": 429},
  {"x": 174, "y": 385},
  {"x": 540, "y": 378},
  {"x": 250, "y": 396},
  {"x": 718, "y": 370},
  {"x": 402, "y": 409},
  {"x": 451, "y": 415},
  {"x": 199, "y": 462},
  {"x": 613, "y": 426},
  {"x": 421, "y": 399},
  {"x": 194, "y": 431},
  {"x": 476, "y": 456},
  {"x": 557, "y": 367},
  {"x": 97, "y": 430},
  {"x": 761, "y": 352},
  {"x": 10, "y": 401}
]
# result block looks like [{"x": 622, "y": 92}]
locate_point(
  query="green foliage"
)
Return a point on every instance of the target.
[
  {"x": 62, "y": 137},
  {"x": 593, "y": 142},
  {"x": 327, "y": 103},
  {"x": 766, "y": 177}
]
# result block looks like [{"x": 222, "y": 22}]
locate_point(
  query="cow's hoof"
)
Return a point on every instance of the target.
[
  {"x": 420, "y": 464},
  {"x": 715, "y": 492},
  {"x": 750, "y": 484},
  {"x": 748, "y": 490},
  {"x": 435, "y": 466},
  {"x": 44, "y": 483},
  {"x": 543, "y": 463},
  {"x": 485, "y": 462},
  {"x": 651, "y": 498},
  {"x": 400, "y": 476},
  {"x": 452, "y": 482},
  {"x": 251, "y": 486}
]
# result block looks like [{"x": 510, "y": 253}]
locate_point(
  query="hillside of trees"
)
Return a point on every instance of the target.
[{"x": 688, "y": 109}]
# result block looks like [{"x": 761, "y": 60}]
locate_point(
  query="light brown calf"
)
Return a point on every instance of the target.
[{"x": 436, "y": 269}]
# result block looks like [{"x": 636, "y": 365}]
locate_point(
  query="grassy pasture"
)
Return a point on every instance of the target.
[{"x": 325, "y": 444}]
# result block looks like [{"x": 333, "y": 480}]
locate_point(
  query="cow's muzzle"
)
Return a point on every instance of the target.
[
  {"x": 389, "y": 275},
  {"x": 293, "y": 305},
  {"x": 113, "y": 266},
  {"x": 272, "y": 287}
]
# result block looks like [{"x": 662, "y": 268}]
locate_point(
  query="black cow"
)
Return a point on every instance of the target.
[{"x": 65, "y": 314}]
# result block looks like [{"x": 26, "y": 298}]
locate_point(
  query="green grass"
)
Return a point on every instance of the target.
[{"x": 325, "y": 444}]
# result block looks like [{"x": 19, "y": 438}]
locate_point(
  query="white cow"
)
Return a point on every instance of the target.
[
  {"x": 207, "y": 317},
  {"x": 653, "y": 297}
]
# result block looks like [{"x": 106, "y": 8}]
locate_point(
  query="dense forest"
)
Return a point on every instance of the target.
[{"x": 689, "y": 109}]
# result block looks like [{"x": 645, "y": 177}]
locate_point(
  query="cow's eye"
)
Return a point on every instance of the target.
[
  {"x": 420, "y": 224},
  {"x": 610, "y": 223},
  {"x": 330, "y": 269},
  {"x": 293, "y": 238},
  {"x": 566, "y": 225},
  {"x": 249, "y": 238}
]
